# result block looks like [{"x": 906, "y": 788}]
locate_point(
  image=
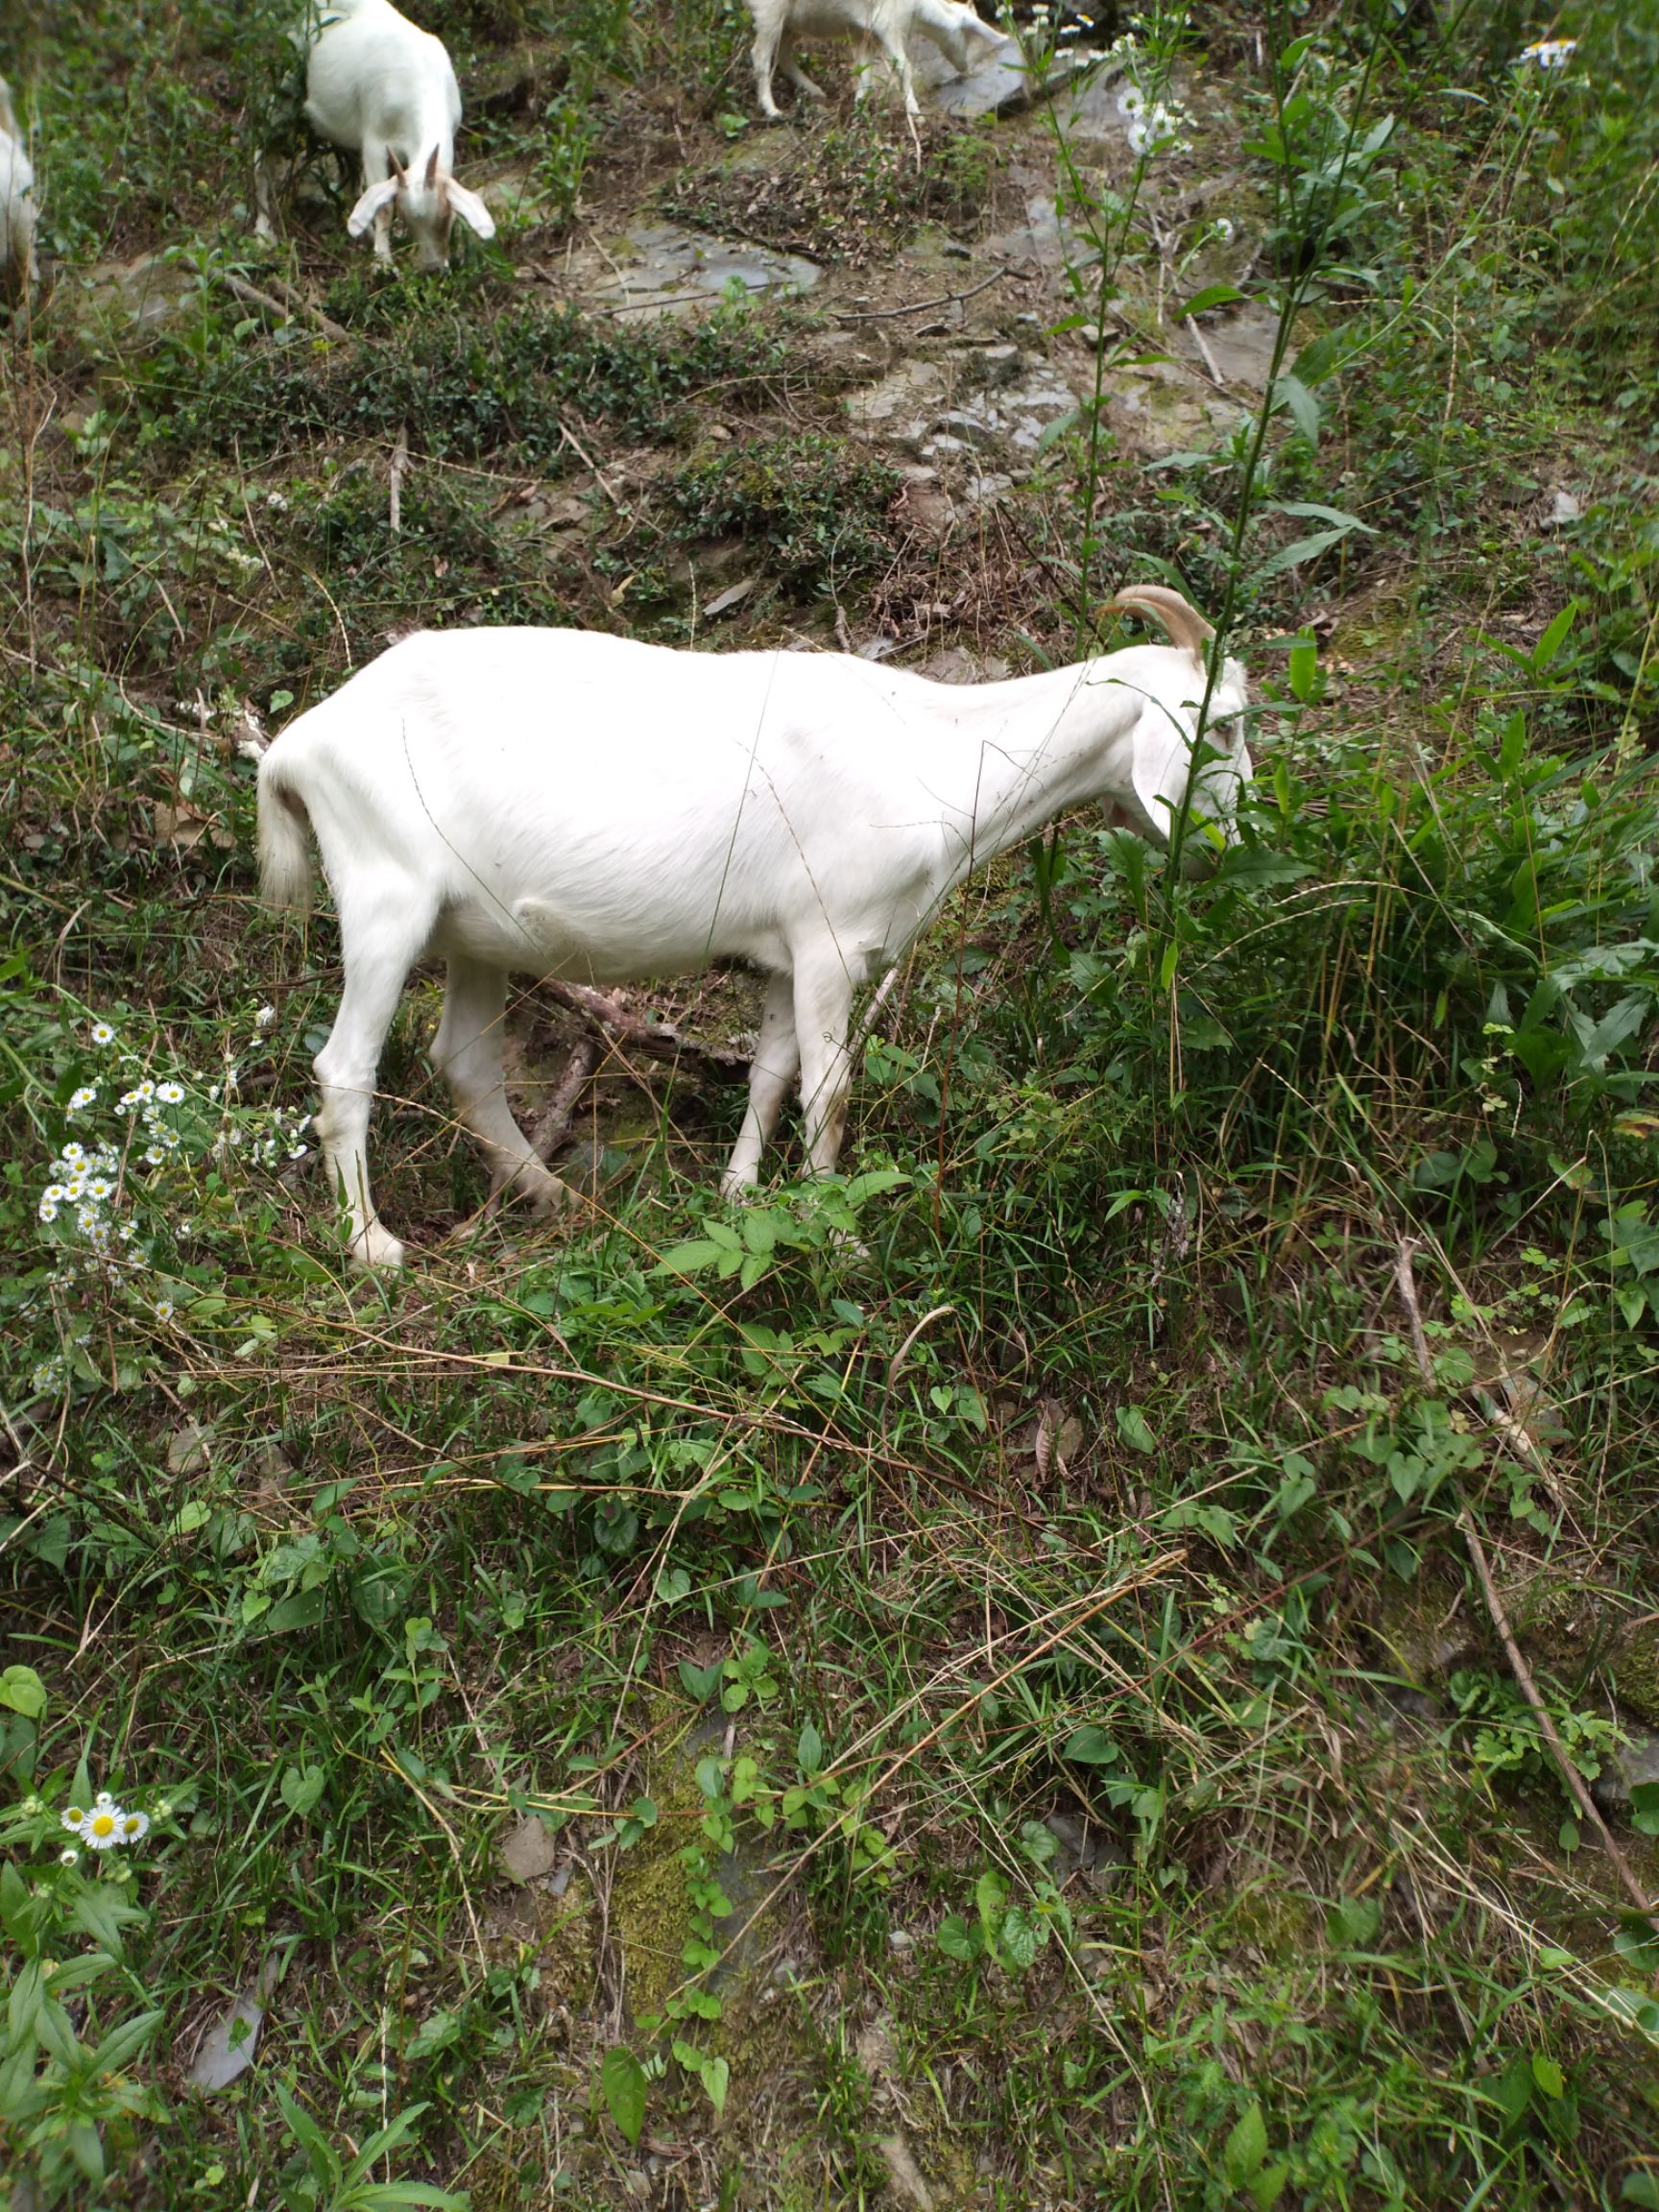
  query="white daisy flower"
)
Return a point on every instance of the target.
[
  {"x": 85, "y": 1096},
  {"x": 1224, "y": 228},
  {"x": 45, "y": 1377},
  {"x": 102, "y": 1827},
  {"x": 72, "y": 1818},
  {"x": 153, "y": 1156},
  {"x": 165, "y": 1309},
  {"x": 299, "y": 1151},
  {"x": 265, "y": 1017},
  {"x": 69, "y": 1857},
  {"x": 135, "y": 1827},
  {"x": 146, "y": 1089},
  {"x": 170, "y": 1093},
  {"x": 87, "y": 1220},
  {"x": 99, "y": 1189},
  {"x": 1139, "y": 138},
  {"x": 1131, "y": 101},
  {"x": 1548, "y": 53},
  {"x": 103, "y": 1801},
  {"x": 102, "y": 1033},
  {"x": 74, "y": 1154}
]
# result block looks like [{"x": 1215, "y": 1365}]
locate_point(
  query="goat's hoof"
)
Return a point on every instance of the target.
[{"x": 376, "y": 1249}]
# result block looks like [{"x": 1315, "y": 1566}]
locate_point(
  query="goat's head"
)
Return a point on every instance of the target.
[
  {"x": 1188, "y": 740},
  {"x": 428, "y": 201}
]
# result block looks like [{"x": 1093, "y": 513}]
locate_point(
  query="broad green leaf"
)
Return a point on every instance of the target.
[
  {"x": 1245, "y": 2149},
  {"x": 1211, "y": 295},
  {"x": 716, "y": 2079},
  {"x": 1554, "y": 637},
  {"x": 1302, "y": 549},
  {"x": 1300, "y": 404},
  {"x": 1090, "y": 1748},
  {"x": 1134, "y": 1428},
  {"x": 23, "y": 1690},
  {"x": 622, "y": 2078},
  {"x": 1548, "y": 2075},
  {"x": 957, "y": 1940},
  {"x": 1642, "y": 2190},
  {"x": 689, "y": 1259},
  {"x": 302, "y": 1787}
]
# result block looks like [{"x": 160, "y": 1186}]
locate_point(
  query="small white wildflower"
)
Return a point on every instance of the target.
[
  {"x": 165, "y": 1309},
  {"x": 69, "y": 1857},
  {"x": 72, "y": 1818},
  {"x": 128, "y": 1232},
  {"x": 1548, "y": 53},
  {"x": 265, "y": 1018},
  {"x": 85, "y": 1096},
  {"x": 75, "y": 1190},
  {"x": 146, "y": 1089},
  {"x": 135, "y": 1827},
  {"x": 100, "y": 1189},
  {"x": 231, "y": 1078},
  {"x": 1139, "y": 138},
  {"x": 87, "y": 1220},
  {"x": 102, "y": 1033},
  {"x": 170, "y": 1093},
  {"x": 53, "y": 1196},
  {"x": 74, "y": 1154},
  {"x": 297, "y": 1151},
  {"x": 1224, "y": 228},
  {"x": 103, "y": 1801},
  {"x": 1131, "y": 101},
  {"x": 153, "y": 1156},
  {"x": 170, "y": 1138},
  {"x": 101, "y": 1826}
]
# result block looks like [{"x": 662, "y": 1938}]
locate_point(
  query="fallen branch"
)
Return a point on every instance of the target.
[
  {"x": 562, "y": 1106},
  {"x": 660, "y": 1039},
  {"x": 945, "y": 299},
  {"x": 395, "y": 476},
  {"x": 1406, "y": 1283},
  {"x": 290, "y": 305}
]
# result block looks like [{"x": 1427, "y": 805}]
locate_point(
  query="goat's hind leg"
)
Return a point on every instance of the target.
[
  {"x": 383, "y": 933},
  {"x": 771, "y": 1073},
  {"x": 467, "y": 1052}
]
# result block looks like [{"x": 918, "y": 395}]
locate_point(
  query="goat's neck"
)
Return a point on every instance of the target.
[{"x": 1024, "y": 751}]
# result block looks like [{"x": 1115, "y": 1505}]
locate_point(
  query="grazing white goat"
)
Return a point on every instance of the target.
[
  {"x": 378, "y": 85},
  {"x": 581, "y": 806},
  {"x": 17, "y": 209},
  {"x": 878, "y": 29}
]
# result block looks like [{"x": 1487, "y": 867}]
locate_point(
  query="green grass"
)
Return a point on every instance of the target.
[{"x": 991, "y": 1644}]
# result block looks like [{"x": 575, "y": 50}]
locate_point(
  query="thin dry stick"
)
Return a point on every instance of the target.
[
  {"x": 287, "y": 307},
  {"x": 553, "y": 1124},
  {"x": 395, "y": 476},
  {"x": 1406, "y": 1283},
  {"x": 661, "y": 1039}
]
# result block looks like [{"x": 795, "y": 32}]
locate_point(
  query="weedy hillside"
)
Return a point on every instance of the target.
[{"x": 1107, "y": 1656}]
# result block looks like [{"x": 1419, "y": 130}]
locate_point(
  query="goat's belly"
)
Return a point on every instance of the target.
[{"x": 533, "y": 937}]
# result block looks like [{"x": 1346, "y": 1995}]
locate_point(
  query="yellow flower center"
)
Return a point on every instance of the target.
[{"x": 103, "y": 1824}]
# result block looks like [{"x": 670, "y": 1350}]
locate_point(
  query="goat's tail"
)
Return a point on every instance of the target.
[
  {"x": 1186, "y": 627},
  {"x": 284, "y": 845}
]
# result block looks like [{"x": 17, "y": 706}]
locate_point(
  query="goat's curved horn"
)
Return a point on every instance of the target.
[
  {"x": 1186, "y": 627},
  {"x": 432, "y": 170}
]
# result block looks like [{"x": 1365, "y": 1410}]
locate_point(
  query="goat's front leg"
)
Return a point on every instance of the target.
[
  {"x": 823, "y": 1009},
  {"x": 763, "y": 55},
  {"x": 777, "y": 1058},
  {"x": 467, "y": 1052},
  {"x": 376, "y": 168},
  {"x": 381, "y": 937}
]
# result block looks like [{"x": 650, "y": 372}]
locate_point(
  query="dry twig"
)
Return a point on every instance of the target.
[
  {"x": 660, "y": 1039},
  {"x": 1406, "y": 1283},
  {"x": 554, "y": 1123}
]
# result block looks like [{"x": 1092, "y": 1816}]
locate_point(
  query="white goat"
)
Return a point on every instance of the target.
[
  {"x": 880, "y": 29},
  {"x": 378, "y": 85},
  {"x": 581, "y": 806},
  {"x": 17, "y": 210}
]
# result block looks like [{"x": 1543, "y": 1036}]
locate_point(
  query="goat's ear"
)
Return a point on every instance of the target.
[
  {"x": 1159, "y": 764},
  {"x": 471, "y": 208},
  {"x": 376, "y": 197},
  {"x": 432, "y": 170}
]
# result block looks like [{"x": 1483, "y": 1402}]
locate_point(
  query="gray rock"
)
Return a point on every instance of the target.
[
  {"x": 1628, "y": 1769},
  {"x": 657, "y": 268},
  {"x": 999, "y": 84}
]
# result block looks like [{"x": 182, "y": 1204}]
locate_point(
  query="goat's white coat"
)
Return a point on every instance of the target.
[
  {"x": 17, "y": 209},
  {"x": 571, "y": 804},
  {"x": 880, "y": 29},
  {"x": 377, "y": 85}
]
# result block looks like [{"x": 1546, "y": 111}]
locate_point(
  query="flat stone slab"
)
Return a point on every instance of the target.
[
  {"x": 659, "y": 269},
  {"x": 1001, "y": 83}
]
